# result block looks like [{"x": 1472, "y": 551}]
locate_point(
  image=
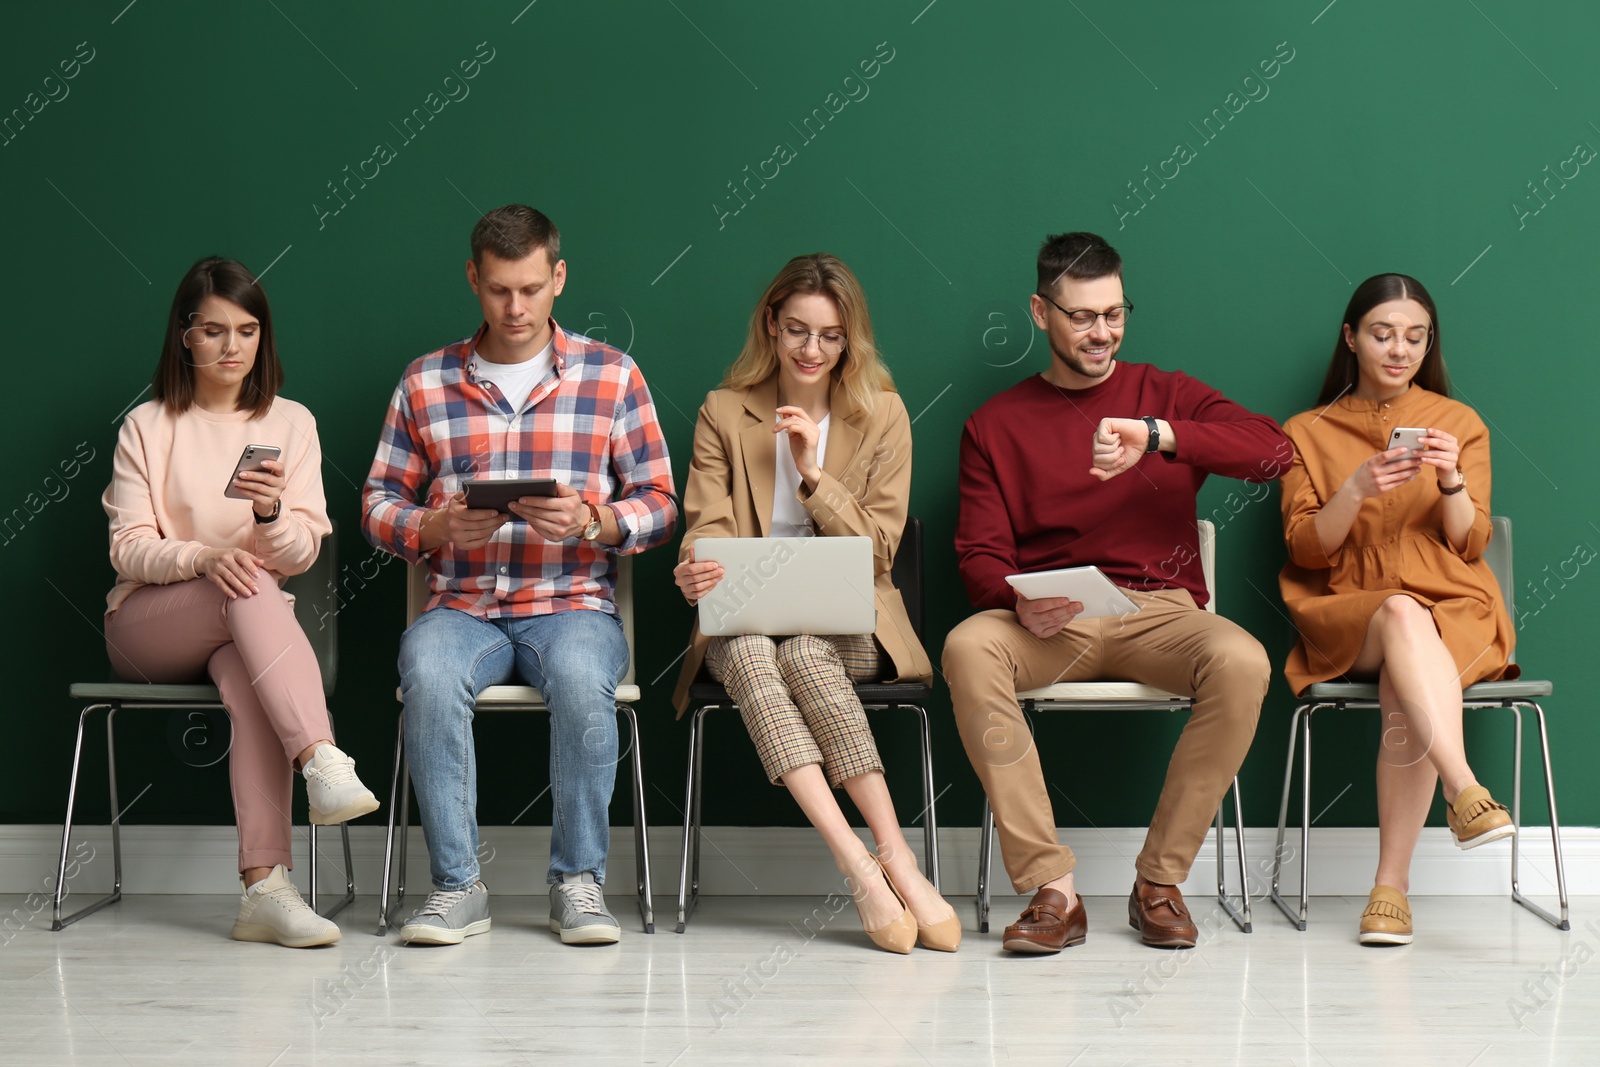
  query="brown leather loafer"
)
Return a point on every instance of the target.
[
  {"x": 1160, "y": 915},
  {"x": 1047, "y": 925}
]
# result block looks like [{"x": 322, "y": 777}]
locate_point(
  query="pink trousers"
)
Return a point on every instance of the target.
[{"x": 259, "y": 659}]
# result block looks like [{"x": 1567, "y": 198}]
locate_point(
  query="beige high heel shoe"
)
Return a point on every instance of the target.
[
  {"x": 942, "y": 936},
  {"x": 900, "y": 935}
]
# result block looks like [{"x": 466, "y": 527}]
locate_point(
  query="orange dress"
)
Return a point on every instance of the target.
[{"x": 1395, "y": 545}]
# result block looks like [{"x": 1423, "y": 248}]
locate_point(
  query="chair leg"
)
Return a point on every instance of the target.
[
  {"x": 930, "y": 820},
  {"x": 57, "y": 921},
  {"x": 1563, "y": 923},
  {"x": 388, "y": 840},
  {"x": 689, "y": 888},
  {"x": 349, "y": 897},
  {"x": 641, "y": 830},
  {"x": 985, "y": 858},
  {"x": 1299, "y": 725},
  {"x": 1240, "y": 918},
  {"x": 311, "y": 867},
  {"x": 1244, "y": 865}
]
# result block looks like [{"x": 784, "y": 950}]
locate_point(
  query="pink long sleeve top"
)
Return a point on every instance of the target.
[{"x": 166, "y": 500}]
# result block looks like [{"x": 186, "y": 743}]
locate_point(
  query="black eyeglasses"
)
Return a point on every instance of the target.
[{"x": 1082, "y": 319}]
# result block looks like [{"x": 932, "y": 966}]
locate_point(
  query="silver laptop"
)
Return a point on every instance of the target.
[{"x": 782, "y": 586}]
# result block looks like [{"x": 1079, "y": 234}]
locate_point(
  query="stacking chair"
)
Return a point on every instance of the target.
[
  {"x": 1510, "y": 696},
  {"x": 316, "y": 606},
  {"x": 875, "y": 696},
  {"x": 1129, "y": 696},
  {"x": 517, "y": 698}
]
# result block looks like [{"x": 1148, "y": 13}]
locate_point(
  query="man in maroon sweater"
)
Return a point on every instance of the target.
[{"x": 1098, "y": 462}]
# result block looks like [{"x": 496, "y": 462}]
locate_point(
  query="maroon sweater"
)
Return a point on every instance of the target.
[{"x": 1029, "y": 503}]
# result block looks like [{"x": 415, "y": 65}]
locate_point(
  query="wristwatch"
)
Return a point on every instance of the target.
[
  {"x": 1154, "y": 444},
  {"x": 1461, "y": 483},
  {"x": 591, "y": 531},
  {"x": 262, "y": 520}
]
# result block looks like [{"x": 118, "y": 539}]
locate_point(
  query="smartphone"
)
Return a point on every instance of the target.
[
  {"x": 250, "y": 460},
  {"x": 496, "y": 494},
  {"x": 1409, "y": 437}
]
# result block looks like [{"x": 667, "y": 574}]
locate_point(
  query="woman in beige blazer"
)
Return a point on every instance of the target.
[{"x": 808, "y": 437}]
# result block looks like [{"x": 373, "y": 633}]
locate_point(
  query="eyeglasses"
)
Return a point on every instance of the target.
[
  {"x": 1417, "y": 340},
  {"x": 796, "y": 338},
  {"x": 1083, "y": 319}
]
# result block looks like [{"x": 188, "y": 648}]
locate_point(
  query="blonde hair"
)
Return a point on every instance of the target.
[{"x": 859, "y": 369}]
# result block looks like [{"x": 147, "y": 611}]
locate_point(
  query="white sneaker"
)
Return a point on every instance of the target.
[
  {"x": 336, "y": 795},
  {"x": 272, "y": 911}
]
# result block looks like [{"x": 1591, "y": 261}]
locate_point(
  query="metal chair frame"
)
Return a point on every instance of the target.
[
  {"x": 526, "y": 699},
  {"x": 317, "y": 609},
  {"x": 1510, "y": 696},
  {"x": 879, "y": 696},
  {"x": 1130, "y": 696}
]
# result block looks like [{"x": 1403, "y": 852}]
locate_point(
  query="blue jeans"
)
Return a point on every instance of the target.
[{"x": 575, "y": 658}]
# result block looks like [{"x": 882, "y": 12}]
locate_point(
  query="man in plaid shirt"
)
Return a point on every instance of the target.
[{"x": 526, "y": 596}]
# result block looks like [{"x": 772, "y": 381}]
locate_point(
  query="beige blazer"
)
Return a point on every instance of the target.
[{"x": 865, "y": 491}]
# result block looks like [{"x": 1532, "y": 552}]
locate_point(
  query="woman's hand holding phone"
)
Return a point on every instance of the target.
[
  {"x": 1443, "y": 453},
  {"x": 1384, "y": 472},
  {"x": 262, "y": 486}
]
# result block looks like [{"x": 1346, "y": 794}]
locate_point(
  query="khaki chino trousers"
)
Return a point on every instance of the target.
[{"x": 1169, "y": 643}]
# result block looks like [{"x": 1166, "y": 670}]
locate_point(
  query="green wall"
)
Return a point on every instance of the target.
[{"x": 1390, "y": 137}]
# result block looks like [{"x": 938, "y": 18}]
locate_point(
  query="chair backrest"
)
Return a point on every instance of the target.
[
  {"x": 907, "y": 572},
  {"x": 417, "y": 593},
  {"x": 1498, "y": 556},
  {"x": 316, "y": 608},
  {"x": 1208, "y": 561}
]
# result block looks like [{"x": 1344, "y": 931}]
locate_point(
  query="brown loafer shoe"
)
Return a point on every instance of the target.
[
  {"x": 1047, "y": 925},
  {"x": 1160, "y": 915},
  {"x": 1476, "y": 818}
]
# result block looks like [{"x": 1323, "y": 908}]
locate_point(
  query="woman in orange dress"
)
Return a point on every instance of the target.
[{"x": 1386, "y": 578}]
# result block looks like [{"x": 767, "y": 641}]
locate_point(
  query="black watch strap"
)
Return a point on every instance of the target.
[
  {"x": 262, "y": 520},
  {"x": 1154, "y": 444}
]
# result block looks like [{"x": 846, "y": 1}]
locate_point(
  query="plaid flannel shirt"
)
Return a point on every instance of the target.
[{"x": 589, "y": 424}]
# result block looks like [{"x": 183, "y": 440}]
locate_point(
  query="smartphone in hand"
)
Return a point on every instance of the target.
[
  {"x": 1409, "y": 437},
  {"x": 251, "y": 459}
]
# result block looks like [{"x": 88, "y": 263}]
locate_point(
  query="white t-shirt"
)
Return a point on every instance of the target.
[
  {"x": 789, "y": 517},
  {"x": 517, "y": 380}
]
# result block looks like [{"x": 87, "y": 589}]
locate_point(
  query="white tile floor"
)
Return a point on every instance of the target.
[{"x": 155, "y": 980}]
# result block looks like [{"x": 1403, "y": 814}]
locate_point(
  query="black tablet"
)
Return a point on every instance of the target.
[{"x": 494, "y": 494}]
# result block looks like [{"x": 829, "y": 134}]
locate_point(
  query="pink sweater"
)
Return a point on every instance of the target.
[{"x": 165, "y": 498}]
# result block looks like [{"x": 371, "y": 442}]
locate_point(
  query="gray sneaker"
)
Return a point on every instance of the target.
[
  {"x": 449, "y": 916},
  {"x": 578, "y": 912}
]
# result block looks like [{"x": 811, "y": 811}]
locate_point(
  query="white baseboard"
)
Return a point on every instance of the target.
[{"x": 782, "y": 861}]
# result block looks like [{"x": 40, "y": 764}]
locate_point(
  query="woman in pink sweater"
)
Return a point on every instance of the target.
[{"x": 198, "y": 574}]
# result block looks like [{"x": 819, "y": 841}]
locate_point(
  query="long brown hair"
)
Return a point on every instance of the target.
[
  {"x": 173, "y": 383},
  {"x": 861, "y": 371},
  {"x": 1343, "y": 371}
]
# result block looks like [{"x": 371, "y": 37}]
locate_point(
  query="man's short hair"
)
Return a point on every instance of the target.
[
  {"x": 1079, "y": 255},
  {"x": 513, "y": 232}
]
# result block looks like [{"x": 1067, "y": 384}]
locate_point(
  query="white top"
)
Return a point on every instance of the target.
[
  {"x": 516, "y": 380},
  {"x": 789, "y": 517}
]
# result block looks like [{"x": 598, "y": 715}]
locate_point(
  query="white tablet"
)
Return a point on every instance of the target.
[
  {"x": 781, "y": 586},
  {"x": 1087, "y": 585}
]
